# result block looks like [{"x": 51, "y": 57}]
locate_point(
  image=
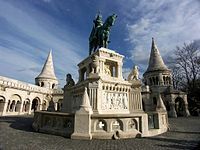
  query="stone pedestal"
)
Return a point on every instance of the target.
[{"x": 82, "y": 126}]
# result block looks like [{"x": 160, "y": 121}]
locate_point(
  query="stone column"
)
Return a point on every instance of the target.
[
  {"x": 13, "y": 108},
  {"x": 101, "y": 66},
  {"x": 82, "y": 125},
  {"x": 186, "y": 112},
  {"x": 21, "y": 107},
  {"x": 172, "y": 112},
  {"x": 29, "y": 108},
  {"x": 87, "y": 71},
  {"x": 119, "y": 70},
  {"x": 3, "y": 106},
  {"x": 80, "y": 75},
  {"x": 160, "y": 79},
  {"x": 55, "y": 105}
]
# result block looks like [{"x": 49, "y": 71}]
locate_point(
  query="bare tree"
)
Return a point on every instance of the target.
[{"x": 186, "y": 69}]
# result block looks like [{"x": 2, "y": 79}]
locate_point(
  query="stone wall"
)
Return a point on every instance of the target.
[{"x": 54, "y": 123}]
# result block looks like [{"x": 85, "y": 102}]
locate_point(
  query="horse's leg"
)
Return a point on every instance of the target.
[{"x": 95, "y": 45}]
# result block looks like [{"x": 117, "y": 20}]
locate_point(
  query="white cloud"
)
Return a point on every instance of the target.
[
  {"x": 66, "y": 52},
  {"x": 170, "y": 22}
]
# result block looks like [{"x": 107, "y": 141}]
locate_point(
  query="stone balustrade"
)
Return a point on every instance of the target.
[
  {"x": 12, "y": 83},
  {"x": 54, "y": 123}
]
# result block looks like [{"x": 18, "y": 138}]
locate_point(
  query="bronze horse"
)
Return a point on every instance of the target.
[{"x": 100, "y": 38}]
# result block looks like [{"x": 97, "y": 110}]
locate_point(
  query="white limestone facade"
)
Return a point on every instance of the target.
[{"x": 17, "y": 97}]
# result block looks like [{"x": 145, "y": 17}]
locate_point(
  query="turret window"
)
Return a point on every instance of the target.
[
  {"x": 164, "y": 79},
  {"x": 156, "y": 80},
  {"x": 42, "y": 84},
  {"x": 150, "y": 80},
  {"x": 154, "y": 101},
  {"x": 53, "y": 86}
]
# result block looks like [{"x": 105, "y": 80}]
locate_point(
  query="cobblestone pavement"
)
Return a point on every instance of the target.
[{"x": 16, "y": 134}]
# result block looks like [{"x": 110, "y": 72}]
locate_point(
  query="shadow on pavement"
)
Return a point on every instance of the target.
[
  {"x": 23, "y": 123},
  {"x": 176, "y": 143}
]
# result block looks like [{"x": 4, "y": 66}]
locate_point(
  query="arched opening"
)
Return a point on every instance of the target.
[
  {"x": 12, "y": 106},
  {"x": 117, "y": 125},
  {"x": 59, "y": 104},
  {"x": 179, "y": 106},
  {"x": 132, "y": 124},
  {"x": 8, "y": 106},
  {"x": 44, "y": 105},
  {"x": 156, "y": 80},
  {"x": 42, "y": 84},
  {"x": 101, "y": 125},
  {"x": 154, "y": 101},
  {"x": 2, "y": 103},
  {"x": 27, "y": 105},
  {"x": 35, "y": 104},
  {"x": 18, "y": 105},
  {"x": 164, "y": 79},
  {"x": 53, "y": 86}
]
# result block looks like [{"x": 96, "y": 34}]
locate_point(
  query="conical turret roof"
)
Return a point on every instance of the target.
[
  {"x": 155, "y": 62},
  {"x": 48, "y": 69}
]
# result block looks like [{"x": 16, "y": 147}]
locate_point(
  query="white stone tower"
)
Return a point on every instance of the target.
[
  {"x": 157, "y": 72},
  {"x": 158, "y": 81},
  {"x": 47, "y": 76}
]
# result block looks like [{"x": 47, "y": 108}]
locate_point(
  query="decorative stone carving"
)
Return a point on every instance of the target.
[
  {"x": 107, "y": 70},
  {"x": 160, "y": 105},
  {"x": 101, "y": 125},
  {"x": 69, "y": 81},
  {"x": 115, "y": 101},
  {"x": 134, "y": 75},
  {"x": 95, "y": 64},
  {"x": 68, "y": 124},
  {"x": 117, "y": 125},
  {"x": 132, "y": 124}
]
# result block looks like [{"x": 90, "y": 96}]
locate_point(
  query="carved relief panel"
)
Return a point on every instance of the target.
[{"x": 114, "y": 101}]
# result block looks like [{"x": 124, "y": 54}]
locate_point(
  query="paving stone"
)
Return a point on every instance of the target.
[{"x": 16, "y": 133}]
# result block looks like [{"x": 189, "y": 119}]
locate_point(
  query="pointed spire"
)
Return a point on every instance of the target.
[
  {"x": 155, "y": 61},
  {"x": 86, "y": 102},
  {"x": 48, "y": 69}
]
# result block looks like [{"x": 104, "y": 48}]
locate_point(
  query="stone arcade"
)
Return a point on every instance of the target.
[{"x": 102, "y": 105}]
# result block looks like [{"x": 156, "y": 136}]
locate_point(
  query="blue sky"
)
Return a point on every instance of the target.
[{"x": 30, "y": 28}]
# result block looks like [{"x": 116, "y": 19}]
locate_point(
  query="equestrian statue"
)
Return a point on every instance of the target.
[{"x": 99, "y": 36}]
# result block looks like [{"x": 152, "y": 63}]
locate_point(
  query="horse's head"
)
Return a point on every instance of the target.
[{"x": 110, "y": 20}]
